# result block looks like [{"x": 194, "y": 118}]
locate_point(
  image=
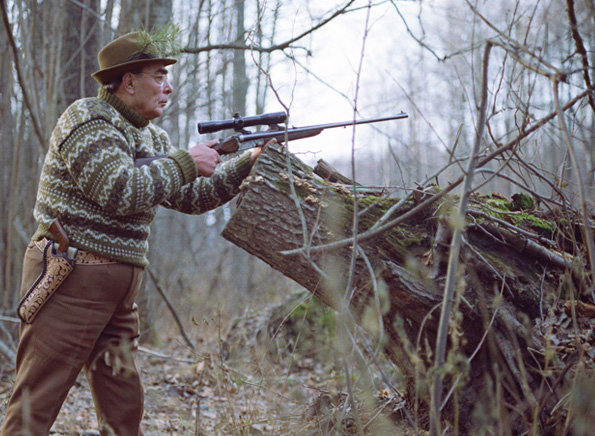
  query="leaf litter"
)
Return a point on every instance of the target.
[{"x": 269, "y": 375}]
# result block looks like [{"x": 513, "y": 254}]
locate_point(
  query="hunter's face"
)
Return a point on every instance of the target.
[{"x": 152, "y": 90}]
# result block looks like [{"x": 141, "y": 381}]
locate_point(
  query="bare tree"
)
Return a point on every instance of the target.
[{"x": 79, "y": 48}]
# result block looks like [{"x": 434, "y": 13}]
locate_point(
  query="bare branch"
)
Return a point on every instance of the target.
[
  {"x": 7, "y": 351},
  {"x": 426, "y": 203},
  {"x": 171, "y": 308},
  {"x": 580, "y": 48},
  {"x": 453, "y": 261},
  {"x": 282, "y": 46},
  {"x": 410, "y": 32},
  {"x": 581, "y": 189},
  {"x": 514, "y": 48},
  {"x": 15, "y": 56}
]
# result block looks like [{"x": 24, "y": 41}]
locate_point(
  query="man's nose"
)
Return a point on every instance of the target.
[{"x": 167, "y": 88}]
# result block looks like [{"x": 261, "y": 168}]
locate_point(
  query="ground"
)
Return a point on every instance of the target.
[{"x": 235, "y": 387}]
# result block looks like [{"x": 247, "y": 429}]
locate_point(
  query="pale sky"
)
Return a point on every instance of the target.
[{"x": 337, "y": 51}]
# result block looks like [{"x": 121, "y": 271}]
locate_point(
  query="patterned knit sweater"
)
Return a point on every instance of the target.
[{"x": 89, "y": 181}]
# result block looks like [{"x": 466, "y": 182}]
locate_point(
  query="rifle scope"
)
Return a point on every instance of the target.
[{"x": 238, "y": 123}]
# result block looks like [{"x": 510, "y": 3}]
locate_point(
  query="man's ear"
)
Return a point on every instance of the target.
[{"x": 128, "y": 83}]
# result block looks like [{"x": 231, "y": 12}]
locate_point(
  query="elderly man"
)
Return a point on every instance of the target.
[{"x": 105, "y": 204}]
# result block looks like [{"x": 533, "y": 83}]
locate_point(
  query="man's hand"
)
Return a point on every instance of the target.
[
  {"x": 258, "y": 150},
  {"x": 205, "y": 157}
]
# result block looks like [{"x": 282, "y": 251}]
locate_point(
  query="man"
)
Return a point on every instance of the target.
[{"x": 90, "y": 184}]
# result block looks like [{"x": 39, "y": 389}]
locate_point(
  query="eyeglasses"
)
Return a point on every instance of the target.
[{"x": 160, "y": 78}]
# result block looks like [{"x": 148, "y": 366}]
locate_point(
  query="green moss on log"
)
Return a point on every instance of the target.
[{"x": 516, "y": 212}]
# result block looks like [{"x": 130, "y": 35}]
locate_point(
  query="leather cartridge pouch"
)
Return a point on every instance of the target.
[{"x": 56, "y": 267}]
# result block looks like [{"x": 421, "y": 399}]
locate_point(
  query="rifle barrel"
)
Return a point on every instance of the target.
[
  {"x": 303, "y": 132},
  {"x": 355, "y": 122}
]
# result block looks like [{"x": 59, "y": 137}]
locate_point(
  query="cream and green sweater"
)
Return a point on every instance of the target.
[{"x": 89, "y": 181}]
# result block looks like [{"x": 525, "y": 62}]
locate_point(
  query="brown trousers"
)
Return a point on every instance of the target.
[{"x": 91, "y": 324}]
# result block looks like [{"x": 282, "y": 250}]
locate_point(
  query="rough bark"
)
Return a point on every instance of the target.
[
  {"x": 82, "y": 35},
  {"x": 514, "y": 281}
]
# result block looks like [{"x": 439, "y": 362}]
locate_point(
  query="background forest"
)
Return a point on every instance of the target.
[{"x": 321, "y": 62}]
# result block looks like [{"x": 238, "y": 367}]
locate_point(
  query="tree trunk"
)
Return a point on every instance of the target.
[
  {"x": 146, "y": 14},
  {"x": 82, "y": 37},
  {"x": 510, "y": 290},
  {"x": 8, "y": 273},
  {"x": 240, "y": 81}
]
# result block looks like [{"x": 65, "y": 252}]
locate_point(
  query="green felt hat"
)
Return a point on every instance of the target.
[{"x": 128, "y": 52}]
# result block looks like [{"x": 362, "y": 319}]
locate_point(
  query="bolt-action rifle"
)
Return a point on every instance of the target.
[{"x": 244, "y": 139}]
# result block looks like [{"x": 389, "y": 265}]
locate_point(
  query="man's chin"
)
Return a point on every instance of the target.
[{"x": 154, "y": 114}]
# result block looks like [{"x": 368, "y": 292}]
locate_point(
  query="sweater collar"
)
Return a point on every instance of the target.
[{"x": 126, "y": 111}]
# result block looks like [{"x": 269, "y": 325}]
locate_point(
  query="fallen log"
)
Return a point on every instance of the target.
[{"x": 509, "y": 311}]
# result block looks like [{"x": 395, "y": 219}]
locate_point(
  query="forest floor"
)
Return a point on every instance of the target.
[{"x": 242, "y": 385}]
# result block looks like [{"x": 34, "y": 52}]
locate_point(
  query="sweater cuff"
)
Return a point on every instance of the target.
[
  {"x": 186, "y": 164},
  {"x": 243, "y": 165}
]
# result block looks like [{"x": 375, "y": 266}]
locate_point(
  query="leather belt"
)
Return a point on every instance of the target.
[{"x": 82, "y": 257}]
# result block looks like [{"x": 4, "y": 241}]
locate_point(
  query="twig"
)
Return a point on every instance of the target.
[
  {"x": 425, "y": 204},
  {"x": 277, "y": 47},
  {"x": 477, "y": 348},
  {"x": 512, "y": 227},
  {"x": 198, "y": 430},
  {"x": 512, "y": 47},
  {"x": 453, "y": 262},
  {"x": 164, "y": 356},
  {"x": 21, "y": 79},
  {"x": 410, "y": 32},
  {"x": 10, "y": 319},
  {"x": 171, "y": 308},
  {"x": 579, "y": 181},
  {"x": 519, "y": 184},
  {"x": 7, "y": 351},
  {"x": 580, "y": 48},
  {"x": 349, "y": 289},
  {"x": 355, "y": 223}
]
